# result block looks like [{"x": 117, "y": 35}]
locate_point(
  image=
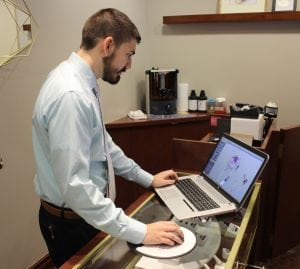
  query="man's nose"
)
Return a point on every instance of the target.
[{"x": 128, "y": 65}]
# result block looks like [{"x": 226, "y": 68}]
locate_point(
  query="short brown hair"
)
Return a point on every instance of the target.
[{"x": 108, "y": 22}]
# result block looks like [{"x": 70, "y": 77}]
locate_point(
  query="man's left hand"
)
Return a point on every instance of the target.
[{"x": 164, "y": 178}]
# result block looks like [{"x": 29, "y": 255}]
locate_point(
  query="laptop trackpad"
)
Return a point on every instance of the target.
[
  {"x": 170, "y": 193},
  {"x": 175, "y": 200}
]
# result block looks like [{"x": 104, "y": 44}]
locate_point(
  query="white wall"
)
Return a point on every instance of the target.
[{"x": 246, "y": 62}]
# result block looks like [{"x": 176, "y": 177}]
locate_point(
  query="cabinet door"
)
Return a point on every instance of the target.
[
  {"x": 287, "y": 221},
  {"x": 268, "y": 198}
]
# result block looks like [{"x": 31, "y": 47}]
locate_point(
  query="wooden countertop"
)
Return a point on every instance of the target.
[{"x": 157, "y": 120}]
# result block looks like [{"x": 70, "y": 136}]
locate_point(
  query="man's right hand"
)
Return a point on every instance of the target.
[{"x": 163, "y": 232}]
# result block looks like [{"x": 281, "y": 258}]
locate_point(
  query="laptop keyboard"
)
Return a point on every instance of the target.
[{"x": 195, "y": 195}]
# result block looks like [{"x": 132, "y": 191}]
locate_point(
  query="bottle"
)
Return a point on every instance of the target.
[
  {"x": 202, "y": 102},
  {"x": 192, "y": 102}
]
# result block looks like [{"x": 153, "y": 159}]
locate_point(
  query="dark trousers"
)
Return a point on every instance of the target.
[{"x": 64, "y": 237}]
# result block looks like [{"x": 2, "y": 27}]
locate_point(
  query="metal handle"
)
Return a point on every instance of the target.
[{"x": 1, "y": 163}]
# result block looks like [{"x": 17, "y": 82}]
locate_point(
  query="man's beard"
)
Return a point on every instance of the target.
[{"x": 110, "y": 74}]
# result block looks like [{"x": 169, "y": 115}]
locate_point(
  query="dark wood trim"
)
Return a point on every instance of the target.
[
  {"x": 235, "y": 17},
  {"x": 43, "y": 263}
]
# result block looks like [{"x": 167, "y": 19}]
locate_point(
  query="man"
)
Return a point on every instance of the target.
[{"x": 73, "y": 150}]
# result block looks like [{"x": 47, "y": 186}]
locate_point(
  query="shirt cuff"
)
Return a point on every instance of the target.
[
  {"x": 143, "y": 178},
  {"x": 136, "y": 231}
]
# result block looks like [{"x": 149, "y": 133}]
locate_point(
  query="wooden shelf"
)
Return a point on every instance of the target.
[{"x": 234, "y": 17}]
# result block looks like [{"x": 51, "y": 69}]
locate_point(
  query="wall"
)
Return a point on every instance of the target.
[
  {"x": 246, "y": 62},
  {"x": 7, "y": 29}
]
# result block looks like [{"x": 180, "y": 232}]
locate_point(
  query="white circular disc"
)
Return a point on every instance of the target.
[{"x": 169, "y": 252}]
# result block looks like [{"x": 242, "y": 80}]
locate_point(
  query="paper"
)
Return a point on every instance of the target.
[{"x": 137, "y": 115}]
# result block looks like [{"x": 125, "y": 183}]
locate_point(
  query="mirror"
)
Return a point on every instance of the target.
[{"x": 16, "y": 25}]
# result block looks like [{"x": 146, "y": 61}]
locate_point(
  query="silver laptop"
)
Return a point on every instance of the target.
[{"x": 224, "y": 184}]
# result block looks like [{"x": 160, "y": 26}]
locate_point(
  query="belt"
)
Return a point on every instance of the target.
[{"x": 60, "y": 212}]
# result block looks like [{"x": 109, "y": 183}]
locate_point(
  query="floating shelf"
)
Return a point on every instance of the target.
[{"x": 234, "y": 17}]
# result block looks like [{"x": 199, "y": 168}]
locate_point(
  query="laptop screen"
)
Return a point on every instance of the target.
[{"x": 234, "y": 167}]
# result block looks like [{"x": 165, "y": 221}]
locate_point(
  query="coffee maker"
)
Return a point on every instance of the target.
[{"x": 161, "y": 91}]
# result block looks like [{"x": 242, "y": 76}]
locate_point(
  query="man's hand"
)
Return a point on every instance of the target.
[
  {"x": 164, "y": 178},
  {"x": 163, "y": 232}
]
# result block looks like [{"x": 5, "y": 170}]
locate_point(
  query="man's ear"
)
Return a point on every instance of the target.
[{"x": 108, "y": 46}]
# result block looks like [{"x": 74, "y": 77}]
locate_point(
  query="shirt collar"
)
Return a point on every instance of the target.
[{"x": 83, "y": 70}]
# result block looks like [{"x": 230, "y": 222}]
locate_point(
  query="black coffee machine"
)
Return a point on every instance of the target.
[{"x": 161, "y": 91}]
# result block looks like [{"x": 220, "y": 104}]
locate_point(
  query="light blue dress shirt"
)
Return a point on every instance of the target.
[{"x": 70, "y": 155}]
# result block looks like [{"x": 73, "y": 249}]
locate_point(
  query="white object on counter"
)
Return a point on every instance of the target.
[
  {"x": 246, "y": 126},
  {"x": 182, "y": 97},
  {"x": 137, "y": 115}
]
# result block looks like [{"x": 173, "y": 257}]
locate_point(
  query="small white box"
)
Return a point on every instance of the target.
[{"x": 253, "y": 127}]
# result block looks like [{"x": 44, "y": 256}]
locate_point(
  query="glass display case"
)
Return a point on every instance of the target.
[{"x": 226, "y": 238}]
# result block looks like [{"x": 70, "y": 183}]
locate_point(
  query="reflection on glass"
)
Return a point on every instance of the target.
[{"x": 15, "y": 30}]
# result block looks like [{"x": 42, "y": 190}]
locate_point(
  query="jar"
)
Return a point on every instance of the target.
[
  {"x": 220, "y": 107},
  {"x": 211, "y": 103}
]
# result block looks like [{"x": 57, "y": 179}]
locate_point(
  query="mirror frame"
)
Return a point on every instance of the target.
[{"x": 28, "y": 25}]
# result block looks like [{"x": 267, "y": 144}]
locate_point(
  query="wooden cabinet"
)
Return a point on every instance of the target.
[
  {"x": 149, "y": 143},
  {"x": 161, "y": 144},
  {"x": 165, "y": 143},
  {"x": 287, "y": 199}
]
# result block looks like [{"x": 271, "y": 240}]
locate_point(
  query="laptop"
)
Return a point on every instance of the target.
[{"x": 226, "y": 181}]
